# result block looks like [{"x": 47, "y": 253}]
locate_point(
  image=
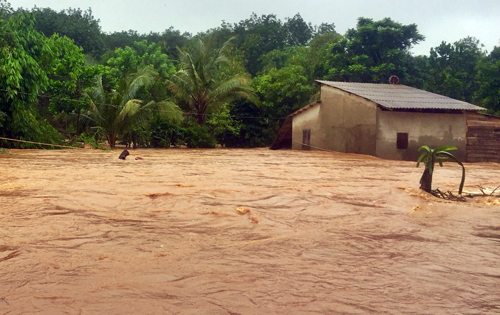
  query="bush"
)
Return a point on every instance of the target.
[
  {"x": 199, "y": 137},
  {"x": 5, "y": 151},
  {"x": 88, "y": 139},
  {"x": 137, "y": 137},
  {"x": 166, "y": 133}
]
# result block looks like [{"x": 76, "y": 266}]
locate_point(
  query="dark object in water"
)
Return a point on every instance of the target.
[
  {"x": 139, "y": 158},
  {"x": 123, "y": 155}
]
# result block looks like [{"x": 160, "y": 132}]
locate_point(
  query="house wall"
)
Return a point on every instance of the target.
[
  {"x": 432, "y": 129},
  {"x": 308, "y": 119},
  {"x": 343, "y": 122}
]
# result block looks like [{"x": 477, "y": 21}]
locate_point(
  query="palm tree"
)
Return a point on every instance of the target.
[
  {"x": 203, "y": 81},
  {"x": 429, "y": 157},
  {"x": 118, "y": 111}
]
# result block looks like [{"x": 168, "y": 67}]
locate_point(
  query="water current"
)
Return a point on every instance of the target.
[{"x": 242, "y": 232}]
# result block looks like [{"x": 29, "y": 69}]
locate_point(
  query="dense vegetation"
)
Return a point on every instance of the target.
[{"x": 62, "y": 78}]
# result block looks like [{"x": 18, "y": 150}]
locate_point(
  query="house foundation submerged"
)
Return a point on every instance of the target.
[{"x": 390, "y": 122}]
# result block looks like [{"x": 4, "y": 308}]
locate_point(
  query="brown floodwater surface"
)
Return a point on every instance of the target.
[{"x": 242, "y": 232}]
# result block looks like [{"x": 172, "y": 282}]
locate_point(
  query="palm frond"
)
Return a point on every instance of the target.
[
  {"x": 237, "y": 87},
  {"x": 143, "y": 78},
  {"x": 201, "y": 84},
  {"x": 131, "y": 108},
  {"x": 97, "y": 93},
  {"x": 168, "y": 110}
]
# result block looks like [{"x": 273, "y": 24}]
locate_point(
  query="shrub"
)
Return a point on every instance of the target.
[
  {"x": 166, "y": 133},
  {"x": 199, "y": 137}
]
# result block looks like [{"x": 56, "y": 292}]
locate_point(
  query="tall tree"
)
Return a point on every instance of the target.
[
  {"x": 453, "y": 68},
  {"x": 257, "y": 36},
  {"x": 121, "y": 39},
  {"x": 81, "y": 26},
  {"x": 205, "y": 82},
  {"x": 123, "y": 61},
  {"x": 26, "y": 60},
  {"x": 373, "y": 51},
  {"x": 169, "y": 40},
  {"x": 68, "y": 82},
  {"x": 488, "y": 77},
  {"x": 299, "y": 33}
]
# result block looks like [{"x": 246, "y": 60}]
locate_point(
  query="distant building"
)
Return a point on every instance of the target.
[{"x": 390, "y": 121}]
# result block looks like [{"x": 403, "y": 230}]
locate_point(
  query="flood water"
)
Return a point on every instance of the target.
[{"x": 242, "y": 232}]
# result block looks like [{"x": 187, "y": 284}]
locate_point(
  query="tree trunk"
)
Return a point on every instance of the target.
[
  {"x": 426, "y": 181},
  {"x": 78, "y": 124},
  {"x": 199, "y": 119},
  {"x": 112, "y": 140}
]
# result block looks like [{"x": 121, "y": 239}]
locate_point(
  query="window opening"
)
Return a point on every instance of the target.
[
  {"x": 402, "y": 142},
  {"x": 306, "y": 139}
]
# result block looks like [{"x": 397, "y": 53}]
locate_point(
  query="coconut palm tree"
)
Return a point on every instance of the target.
[
  {"x": 118, "y": 111},
  {"x": 429, "y": 157},
  {"x": 203, "y": 82}
]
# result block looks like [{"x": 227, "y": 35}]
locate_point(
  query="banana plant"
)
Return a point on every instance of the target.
[{"x": 429, "y": 157}]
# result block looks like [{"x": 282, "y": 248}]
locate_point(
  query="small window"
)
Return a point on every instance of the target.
[
  {"x": 306, "y": 139},
  {"x": 402, "y": 142}
]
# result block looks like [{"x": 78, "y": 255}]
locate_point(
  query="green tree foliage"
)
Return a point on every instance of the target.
[
  {"x": 299, "y": 33},
  {"x": 121, "y": 39},
  {"x": 46, "y": 78},
  {"x": 204, "y": 82},
  {"x": 252, "y": 127},
  {"x": 488, "y": 76},
  {"x": 429, "y": 157},
  {"x": 452, "y": 69},
  {"x": 81, "y": 26},
  {"x": 283, "y": 91},
  {"x": 116, "y": 112},
  {"x": 286, "y": 82},
  {"x": 259, "y": 35},
  {"x": 373, "y": 51},
  {"x": 122, "y": 61},
  {"x": 68, "y": 82},
  {"x": 320, "y": 52},
  {"x": 168, "y": 40},
  {"x": 112, "y": 93},
  {"x": 26, "y": 60}
]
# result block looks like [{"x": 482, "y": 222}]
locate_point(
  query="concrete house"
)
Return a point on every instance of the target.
[{"x": 391, "y": 122}]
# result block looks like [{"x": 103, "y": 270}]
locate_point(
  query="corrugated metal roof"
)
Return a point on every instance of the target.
[{"x": 401, "y": 96}]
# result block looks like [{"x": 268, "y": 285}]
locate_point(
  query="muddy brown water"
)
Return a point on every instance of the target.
[{"x": 242, "y": 232}]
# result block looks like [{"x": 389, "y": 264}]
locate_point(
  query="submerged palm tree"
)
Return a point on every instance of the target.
[
  {"x": 429, "y": 157},
  {"x": 118, "y": 111},
  {"x": 203, "y": 82}
]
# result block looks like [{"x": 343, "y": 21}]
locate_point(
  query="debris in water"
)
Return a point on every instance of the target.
[
  {"x": 124, "y": 155},
  {"x": 254, "y": 219},
  {"x": 242, "y": 210},
  {"x": 157, "y": 195}
]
